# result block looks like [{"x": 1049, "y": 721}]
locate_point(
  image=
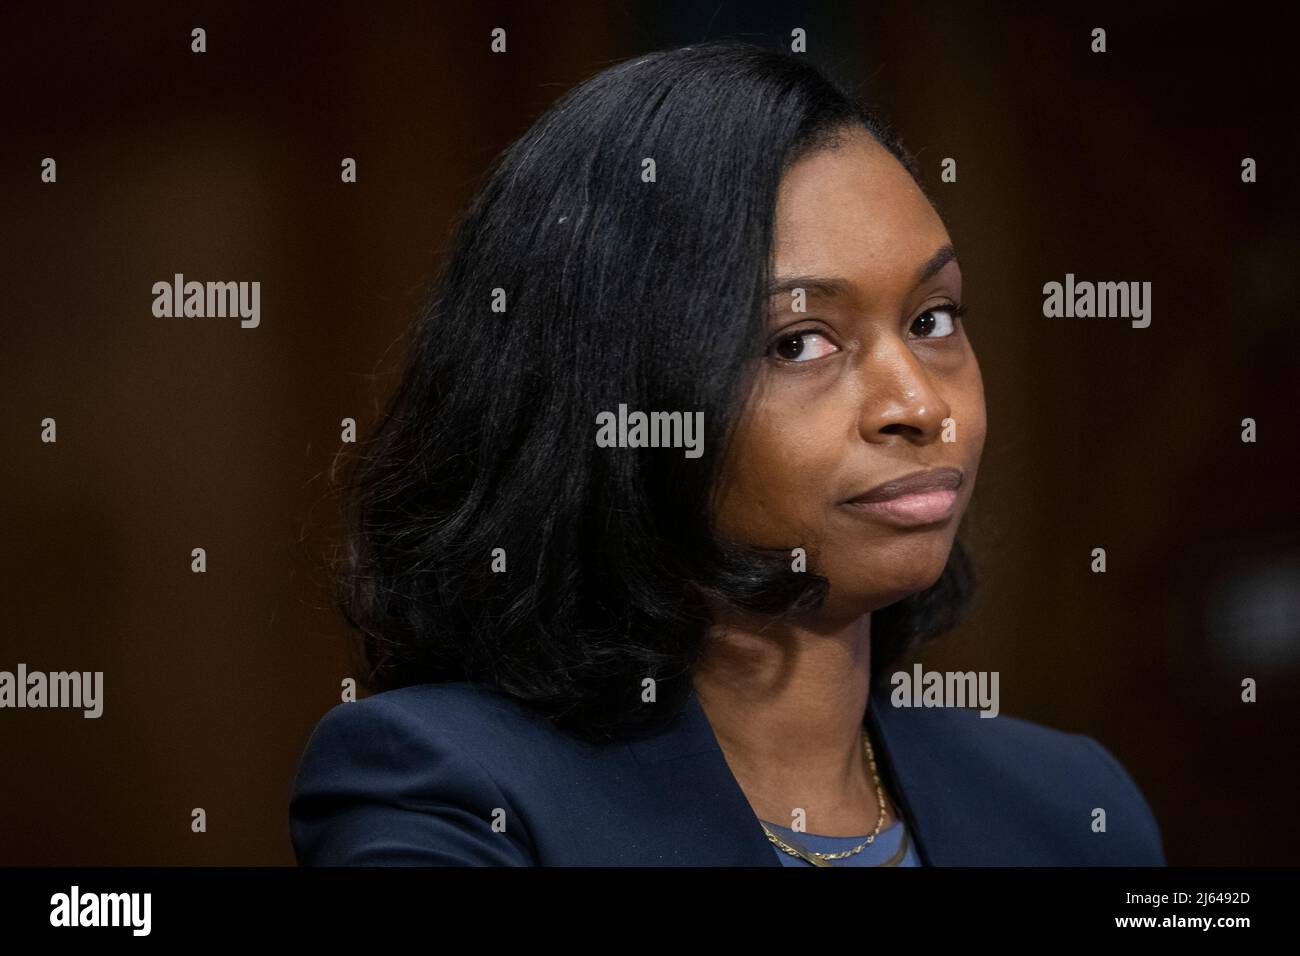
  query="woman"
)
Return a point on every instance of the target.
[{"x": 601, "y": 636}]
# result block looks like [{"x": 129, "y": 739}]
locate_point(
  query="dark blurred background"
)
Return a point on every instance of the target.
[{"x": 183, "y": 433}]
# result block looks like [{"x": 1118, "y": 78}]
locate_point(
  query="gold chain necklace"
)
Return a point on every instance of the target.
[{"x": 820, "y": 859}]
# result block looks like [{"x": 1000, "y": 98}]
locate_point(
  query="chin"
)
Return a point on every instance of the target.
[{"x": 863, "y": 596}]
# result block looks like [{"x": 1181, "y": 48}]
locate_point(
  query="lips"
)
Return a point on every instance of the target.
[{"x": 918, "y": 482}]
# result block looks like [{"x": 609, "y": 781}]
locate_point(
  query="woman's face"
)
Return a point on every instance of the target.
[{"x": 875, "y": 380}]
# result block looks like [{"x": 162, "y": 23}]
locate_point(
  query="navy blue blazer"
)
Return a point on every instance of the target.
[{"x": 416, "y": 776}]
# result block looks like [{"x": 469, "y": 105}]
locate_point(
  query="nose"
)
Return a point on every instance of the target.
[{"x": 900, "y": 399}]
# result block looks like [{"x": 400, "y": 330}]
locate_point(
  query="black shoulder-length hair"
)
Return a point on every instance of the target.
[{"x": 618, "y": 288}]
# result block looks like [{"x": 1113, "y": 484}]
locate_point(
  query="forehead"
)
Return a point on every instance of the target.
[{"x": 854, "y": 211}]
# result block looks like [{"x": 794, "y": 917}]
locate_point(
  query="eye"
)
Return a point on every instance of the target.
[
  {"x": 792, "y": 346},
  {"x": 938, "y": 322}
]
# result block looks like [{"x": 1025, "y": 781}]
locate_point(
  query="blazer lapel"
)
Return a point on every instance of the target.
[
  {"x": 699, "y": 814},
  {"x": 705, "y": 818},
  {"x": 901, "y": 760},
  {"x": 953, "y": 809}
]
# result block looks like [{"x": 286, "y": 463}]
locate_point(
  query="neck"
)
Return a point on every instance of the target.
[{"x": 786, "y": 702}]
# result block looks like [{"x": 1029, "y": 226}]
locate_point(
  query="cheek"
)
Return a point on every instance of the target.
[
  {"x": 969, "y": 412},
  {"x": 775, "y": 487}
]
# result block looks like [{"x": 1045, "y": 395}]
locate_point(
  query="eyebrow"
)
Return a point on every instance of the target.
[{"x": 829, "y": 287}]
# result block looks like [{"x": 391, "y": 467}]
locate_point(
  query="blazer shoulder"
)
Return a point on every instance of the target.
[
  {"x": 458, "y": 708},
  {"x": 397, "y": 778},
  {"x": 1125, "y": 784},
  {"x": 1053, "y": 780}
]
